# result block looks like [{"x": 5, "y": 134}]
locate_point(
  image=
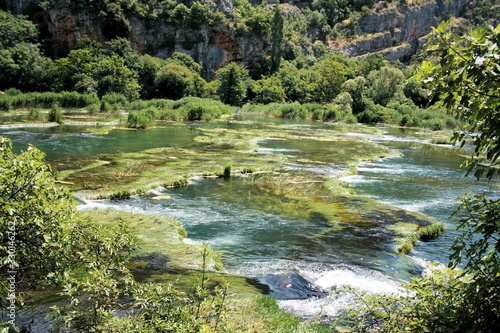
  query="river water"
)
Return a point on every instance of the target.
[{"x": 300, "y": 260}]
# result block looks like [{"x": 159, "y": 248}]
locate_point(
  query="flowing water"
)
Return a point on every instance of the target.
[{"x": 299, "y": 259}]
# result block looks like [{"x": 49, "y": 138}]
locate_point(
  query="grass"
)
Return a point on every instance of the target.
[{"x": 417, "y": 233}]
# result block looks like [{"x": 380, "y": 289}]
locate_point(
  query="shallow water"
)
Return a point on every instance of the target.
[{"x": 301, "y": 259}]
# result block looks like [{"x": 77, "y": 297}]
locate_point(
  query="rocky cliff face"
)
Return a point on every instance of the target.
[{"x": 396, "y": 32}]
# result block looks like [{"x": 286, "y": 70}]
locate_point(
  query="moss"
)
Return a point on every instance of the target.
[{"x": 160, "y": 244}]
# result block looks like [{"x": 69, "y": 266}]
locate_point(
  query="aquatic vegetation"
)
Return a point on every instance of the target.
[{"x": 424, "y": 233}]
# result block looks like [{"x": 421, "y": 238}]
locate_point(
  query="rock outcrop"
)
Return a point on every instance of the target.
[{"x": 395, "y": 32}]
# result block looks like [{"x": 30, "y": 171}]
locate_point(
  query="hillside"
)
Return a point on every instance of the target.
[{"x": 216, "y": 32}]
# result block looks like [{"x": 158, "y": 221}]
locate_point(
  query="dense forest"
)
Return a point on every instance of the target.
[
  {"x": 307, "y": 82},
  {"x": 452, "y": 83}
]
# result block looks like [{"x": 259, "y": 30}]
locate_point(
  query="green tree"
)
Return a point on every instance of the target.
[
  {"x": 47, "y": 243},
  {"x": 69, "y": 71},
  {"x": 113, "y": 76},
  {"x": 465, "y": 78},
  {"x": 384, "y": 84},
  {"x": 232, "y": 89},
  {"x": 26, "y": 68},
  {"x": 36, "y": 219},
  {"x": 276, "y": 40},
  {"x": 16, "y": 29},
  {"x": 332, "y": 74},
  {"x": 174, "y": 81},
  {"x": 269, "y": 90},
  {"x": 147, "y": 73},
  {"x": 356, "y": 88}
]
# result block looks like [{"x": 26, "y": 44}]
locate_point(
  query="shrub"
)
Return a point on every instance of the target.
[
  {"x": 350, "y": 119},
  {"x": 35, "y": 115},
  {"x": 116, "y": 100},
  {"x": 227, "y": 170},
  {"x": 194, "y": 108},
  {"x": 13, "y": 92},
  {"x": 5, "y": 102},
  {"x": 294, "y": 111},
  {"x": 331, "y": 114},
  {"x": 55, "y": 114},
  {"x": 141, "y": 119}
]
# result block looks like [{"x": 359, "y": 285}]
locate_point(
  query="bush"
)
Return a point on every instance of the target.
[
  {"x": 141, "y": 119},
  {"x": 13, "y": 92},
  {"x": 227, "y": 170},
  {"x": 294, "y": 111},
  {"x": 47, "y": 99},
  {"x": 5, "y": 102},
  {"x": 194, "y": 108},
  {"x": 331, "y": 114},
  {"x": 118, "y": 101},
  {"x": 35, "y": 115},
  {"x": 55, "y": 114}
]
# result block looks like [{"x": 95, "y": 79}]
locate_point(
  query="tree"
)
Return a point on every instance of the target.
[
  {"x": 356, "y": 88},
  {"x": 276, "y": 40},
  {"x": 269, "y": 90},
  {"x": 174, "y": 81},
  {"x": 69, "y": 71},
  {"x": 332, "y": 74},
  {"x": 36, "y": 219},
  {"x": 16, "y": 29},
  {"x": 232, "y": 89},
  {"x": 466, "y": 79},
  {"x": 384, "y": 84},
  {"x": 113, "y": 76},
  {"x": 468, "y": 300}
]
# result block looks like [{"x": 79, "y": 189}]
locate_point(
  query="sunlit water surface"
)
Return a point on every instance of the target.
[{"x": 300, "y": 260}]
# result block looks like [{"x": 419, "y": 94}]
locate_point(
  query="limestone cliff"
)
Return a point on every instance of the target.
[{"x": 395, "y": 31}]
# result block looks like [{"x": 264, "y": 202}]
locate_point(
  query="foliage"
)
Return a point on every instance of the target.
[
  {"x": 36, "y": 219},
  {"x": 268, "y": 90},
  {"x": 385, "y": 84},
  {"x": 194, "y": 108},
  {"x": 433, "y": 303},
  {"x": 47, "y": 99},
  {"x": 36, "y": 115},
  {"x": 276, "y": 40},
  {"x": 227, "y": 170},
  {"x": 174, "y": 80},
  {"x": 232, "y": 89},
  {"x": 465, "y": 78},
  {"x": 16, "y": 29},
  {"x": 46, "y": 241},
  {"x": 55, "y": 114},
  {"x": 113, "y": 76},
  {"x": 424, "y": 233},
  {"x": 141, "y": 119}
]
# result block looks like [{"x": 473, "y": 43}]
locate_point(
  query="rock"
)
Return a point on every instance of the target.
[{"x": 392, "y": 29}]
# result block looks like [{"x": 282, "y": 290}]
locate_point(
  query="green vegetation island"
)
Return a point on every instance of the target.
[{"x": 146, "y": 66}]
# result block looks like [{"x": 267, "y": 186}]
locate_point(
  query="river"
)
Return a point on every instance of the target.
[{"x": 300, "y": 260}]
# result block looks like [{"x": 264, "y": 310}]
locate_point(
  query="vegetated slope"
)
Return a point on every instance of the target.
[{"x": 216, "y": 32}]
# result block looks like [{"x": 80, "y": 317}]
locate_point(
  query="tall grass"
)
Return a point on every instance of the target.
[{"x": 46, "y": 100}]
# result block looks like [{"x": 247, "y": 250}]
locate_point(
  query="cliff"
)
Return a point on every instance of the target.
[
  {"x": 394, "y": 31},
  {"x": 397, "y": 32}
]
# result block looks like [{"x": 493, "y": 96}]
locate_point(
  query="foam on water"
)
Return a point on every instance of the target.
[{"x": 337, "y": 299}]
